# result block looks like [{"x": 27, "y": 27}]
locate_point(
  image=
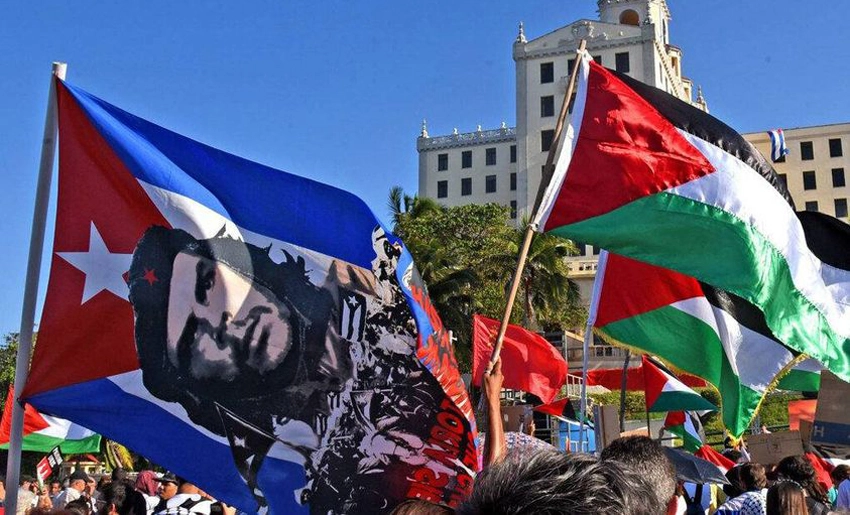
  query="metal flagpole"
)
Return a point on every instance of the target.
[
  {"x": 623, "y": 384},
  {"x": 588, "y": 332},
  {"x": 529, "y": 231},
  {"x": 42, "y": 197}
]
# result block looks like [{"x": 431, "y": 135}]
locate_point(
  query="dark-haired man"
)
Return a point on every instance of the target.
[{"x": 646, "y": 457}]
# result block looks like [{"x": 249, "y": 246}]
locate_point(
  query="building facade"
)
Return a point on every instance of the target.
[{"x": 815, "y": 169}]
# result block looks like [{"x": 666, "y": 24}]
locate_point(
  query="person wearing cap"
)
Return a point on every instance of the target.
[
  {"x": 76, "y": 486},
  {"x": 168, "y": 484}
]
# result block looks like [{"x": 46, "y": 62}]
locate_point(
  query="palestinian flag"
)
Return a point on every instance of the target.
[
  {"x": 42, "y": 432},
  {"x": 687, "y": 426},
  {"x": 561, "y": 408},
  {"x": 804, "y": 377},
  {"x": 666, "y": 393},
  {"x": 710, "y": 455},
  {"x": 683, "y": 191}
]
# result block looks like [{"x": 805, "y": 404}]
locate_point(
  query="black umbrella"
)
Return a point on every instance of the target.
[{"x": 694, "y": 470}]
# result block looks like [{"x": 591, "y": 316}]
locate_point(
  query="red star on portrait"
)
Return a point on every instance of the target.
[{"x": 150, "y": 276}]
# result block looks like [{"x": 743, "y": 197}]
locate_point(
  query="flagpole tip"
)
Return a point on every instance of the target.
[{"x": 59, "y": 69}]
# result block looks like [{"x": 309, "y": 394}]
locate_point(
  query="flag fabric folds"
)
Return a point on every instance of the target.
[
  {"x": 560, "y": 408},
  {"x": 708, "y": 453},
  {"x": 42, "y": 433},
  {"x": 529, "y": 362},
  {"x": 267, "y": 330},
  {"x": 666, "y": 393},
  {"x": 683, "y": 191},
  {"x": 804, "y": 377},
  {"x": 778, "y": 149},
  {"x": 687, "y": 426},
  {"x": 695, "y": 328}
]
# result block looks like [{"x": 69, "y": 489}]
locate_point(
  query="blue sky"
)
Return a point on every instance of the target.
[{"x": 337, "y": 90}]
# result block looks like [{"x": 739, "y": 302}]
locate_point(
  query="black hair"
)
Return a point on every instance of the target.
[
  {"x": 124, "y": 497},
  {"x": 800, "y": 470},
  {"x": 646, "y": 457},
  {"x": 292, "y": 389},
  {"x": 550, "y": 482}
]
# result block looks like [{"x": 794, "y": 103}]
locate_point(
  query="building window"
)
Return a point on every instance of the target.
[
  {"x": 490, "y": 156},
  {"x": 571, "y": 63},
  {"x": 621, "y": 62},
  {"x": 596, "y": 250},
  {"x": 812, "y": 205},
  {"x": 838, "y": 177},
  {"x": 547, "y": 73},
  {"x": 807, "y": 151},
  {"x": 442, "y": 189},
  {"x": 835, "y": 148},
  {"x": 783, "y": 179},
  {"x": 781, "y": 159},
  {"x": 841, "y": 208},
  {"x": 547, "y": 106},
  {"x": 466, "y": 159},
  {"x": 809, "y": 181},
  {"x": 513, "y": 181},
  {"x": 546, "y": 138},
  {"x": 581, "y": 249},
  {"x": 466, "y": 186},
  {"x": 598, "y": 59},
  {"x": 513, "y": 209},
  {"x": 490, "y": 184},
  {"x": 442, "y": 162},
  {"x": 513, "y": 153}
]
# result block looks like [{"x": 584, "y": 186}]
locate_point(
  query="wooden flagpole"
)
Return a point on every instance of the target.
[
  {"x": 42, "y": 197},
  {"x": 530, "y": 230}
]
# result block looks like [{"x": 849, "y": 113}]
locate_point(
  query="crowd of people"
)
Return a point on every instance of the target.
[
  {"x": 148, "y": 493},
  {"x": 631, "y": 476}
]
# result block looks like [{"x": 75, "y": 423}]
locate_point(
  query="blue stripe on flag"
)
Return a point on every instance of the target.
[
  {"x": 257, "y": 198},
  {"x": 142, "y": 425}
]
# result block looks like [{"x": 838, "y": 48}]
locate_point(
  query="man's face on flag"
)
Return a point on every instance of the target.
[{"x": 220, "y": 323}]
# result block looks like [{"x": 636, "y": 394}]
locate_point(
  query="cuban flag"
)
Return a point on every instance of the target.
[
  {"x": 258, "y": 333},
  {"x": 778, "y": 149}
]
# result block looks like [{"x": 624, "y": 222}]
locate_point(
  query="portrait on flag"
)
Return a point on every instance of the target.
[{"x": 270, "y": 329}]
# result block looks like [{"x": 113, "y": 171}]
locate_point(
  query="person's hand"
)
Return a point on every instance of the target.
[{"x": 492, "y": 384}]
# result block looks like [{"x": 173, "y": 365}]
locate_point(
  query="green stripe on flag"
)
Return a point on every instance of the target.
[
  {"x": 736, "y": 258},
  {"x": 800, "y": 381},
  {"x": 659, "y": 332},
  {"x": 42, "y": 443}
]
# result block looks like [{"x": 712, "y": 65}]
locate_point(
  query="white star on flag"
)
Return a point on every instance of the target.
[{"x": 104, "y": 270}]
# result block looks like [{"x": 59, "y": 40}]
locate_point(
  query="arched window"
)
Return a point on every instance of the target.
[{"x": 629, "y": 17}]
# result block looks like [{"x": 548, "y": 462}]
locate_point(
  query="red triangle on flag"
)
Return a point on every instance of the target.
[
  {"x": 33, "y": 421},
  {"x": 102, "y": 212}
]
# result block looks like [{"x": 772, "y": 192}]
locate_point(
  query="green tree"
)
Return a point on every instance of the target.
[{"x": 467, "y": 255}]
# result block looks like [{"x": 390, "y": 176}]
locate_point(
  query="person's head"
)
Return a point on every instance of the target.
[
  {"x": 25, "y": 481},
  {"x": 839, "y": 474},
  {"x": 118, "y": 474},
  {"x": 734, "y": 488},
  {"x": 78, "y": 480},
  {"x": 91, "y": 486},
  {"x": 222, "y": 323},
  {"x": 79, "y": 507},
  {"x": 55, "y": 487},
  {"x": 786, "y": 497},
  {"x": 102, "y": 482},
  {"x": 146, "y": 482},
  {"x": 646, "y": 457},
  {"x": 552, "y": 482},
  {"x": 168, "y": 484},
  {"x": 119, "y": 498},
  {"x": 752, "y": 476},
  {"x": 800, "y": 469}
]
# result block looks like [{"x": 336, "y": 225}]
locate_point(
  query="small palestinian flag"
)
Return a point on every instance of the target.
[
  {"x": 666, "y": 393},
  {"x": 687, "y": 426},
  {"x": 708, "y": 454},
  {"x": 560, "y": 408}
]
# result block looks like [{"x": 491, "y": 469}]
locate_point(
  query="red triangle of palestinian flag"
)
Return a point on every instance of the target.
[
  {"x": 710, "y": 455},
  {"x": 666, "y": 393}
]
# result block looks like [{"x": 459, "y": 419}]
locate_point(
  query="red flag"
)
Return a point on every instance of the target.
[
  {"x": 560, "y": 408},
  {"x": 529, "y": 362}
]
